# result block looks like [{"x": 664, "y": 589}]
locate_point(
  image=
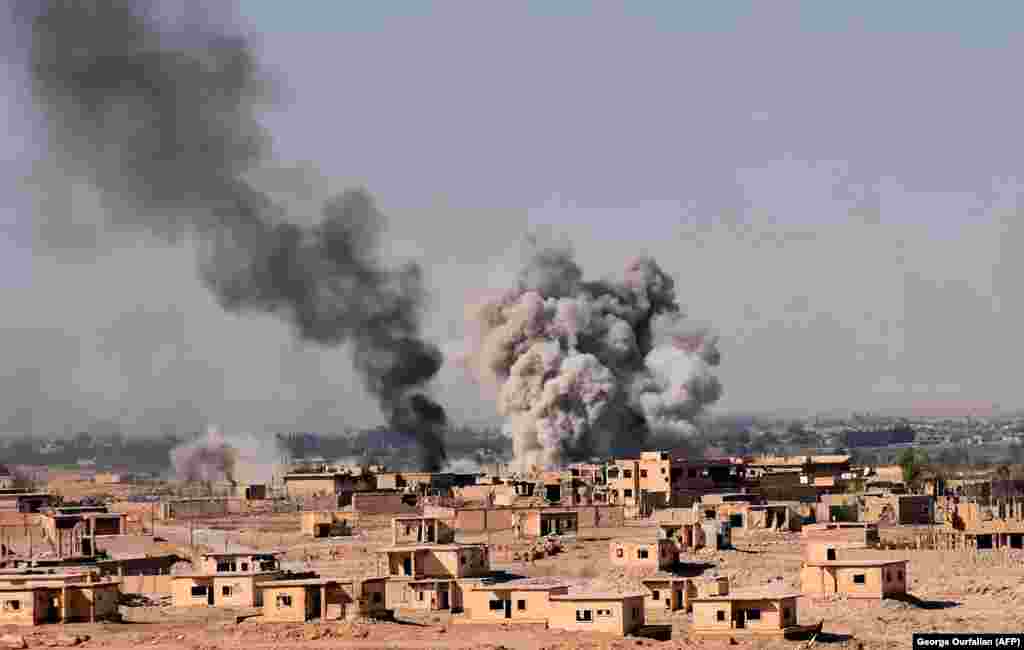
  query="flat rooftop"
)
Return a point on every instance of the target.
[
  {"x": 542, "y": 583},
  {"x": 308, "y": 582},
  {"x": 402, "y": 548},
  {"x": 750, "y": 594},
  {"x": 867, "y": 564}
]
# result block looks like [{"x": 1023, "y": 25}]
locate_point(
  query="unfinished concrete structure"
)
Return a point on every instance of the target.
[
  {"x": 538, "y": 523},
  {"x": 328, "y": 523},
  {"x": 906, "y": 509},
  {"x": 971, "y": 526},
  {"x": 72, "y": 532},
  {"x": 643, "y": 553},
  {"x": 38, "y": 598},
  {"x": 557, "y": 603},
  {"x": 421, "y": 530},
  {"x": 431, "y": 576}
]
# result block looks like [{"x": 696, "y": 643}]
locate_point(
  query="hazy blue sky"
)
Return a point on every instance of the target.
[{"x": 833, "y": 185}]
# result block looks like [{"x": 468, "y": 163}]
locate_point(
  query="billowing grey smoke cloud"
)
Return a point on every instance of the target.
[
  {"x": 591, "y": 368},
  {"x": 164, "y": 125}
]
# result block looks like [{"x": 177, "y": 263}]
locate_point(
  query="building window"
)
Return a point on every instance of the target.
[
  {"x": 642, "y": 554},
  {"x": 199, "y": 590},
  {"x": 520, "y": 605},
  {"x": 753, "y": 615},
  {"x": 225, "y": 591},
  {"x": 830, "y": 555},
  {"x": 643, "y": 473},
  {"x": 720, "y": 615},
  {"x": 899, "y": 575},
  {"x": 420, "y": 594},
  {"x": 226, "y": 566},
  {"x": 497, "y": 605},
  {"x": 655, "y": 595},
  {"x": 627, "y": 493},
  {"x": 584, "y": 616},
  {"x": 245, "y": 566},
  {"x": 12, "y": 604},
  {"x": 627, "y": 473},
  {"x": 284, "y": 600},
  {"x": 618, "y": 552},
  {"x": 604, "y": 612},
  {"x": 858, "y": 579},
  {"x": 408, "y": 530}
]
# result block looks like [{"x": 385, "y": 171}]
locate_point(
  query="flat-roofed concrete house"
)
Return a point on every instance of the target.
[
  {"x": 644, "y": 553},
  {"x": 298, "y": 601},
  {"x": 234, "y": 590},
  {"x": 421, "y": 530},
  {"x": 548, "y": 521},
  {"x": 431, "y": 576},
  {"x": 35, "y": 599},
  {"x": 841, "y": 531},
  {"x": 559, "y": 603},
  {"x": 768, "y": 613},
  {"x": 852, "y": 577}
]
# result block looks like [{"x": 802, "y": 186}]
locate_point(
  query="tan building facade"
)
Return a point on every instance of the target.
[
  {"x": 237, "y": 590},
  {"x": 872, "y": 579},
  {"x": 745, "y": 614},
  {"x": 328, "y": 523},
  {"x": 435, "y": 561},
  {"x": 32, "y": 599},
  {"x": 421, "y": 530},
  {"x": 299, "y": 601},
  {"x": 547, "y": 600},
  {"x": 648, "y": 553}
]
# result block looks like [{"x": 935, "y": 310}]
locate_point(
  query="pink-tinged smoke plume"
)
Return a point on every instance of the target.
[{"x": 588, "y": 369}]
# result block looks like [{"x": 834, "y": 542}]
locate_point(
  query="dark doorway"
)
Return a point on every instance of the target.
[
  {"x": 87, "y": 547},
  {"x": 830, "y": 555},
  {"x": 322, "y": 530},
  {"x": 736, "y": 521},
  {"x": 312, "y": 604},
  {"x": 1016, "y": 540},
  {"x": 209, "y": 595},
  {"x": 407, "y": 566},
  {"x": 442, "y": 600},
  {"x": 52, "y": 609},
  {"x": 508, "y": 608},
  {"x": 545, "y": 526},
  {"x": 984, "y": 541},
  {"x": 741, "y": 619}
]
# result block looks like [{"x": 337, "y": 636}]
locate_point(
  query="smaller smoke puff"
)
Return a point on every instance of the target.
[
  {"x": 214, "y": 457},
  {"x": 205, "y": 459}
]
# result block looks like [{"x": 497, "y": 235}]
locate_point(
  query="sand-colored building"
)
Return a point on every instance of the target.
[
  {"x": 898, "y": 509},
  {"x": 557, "y": 604},
  {"x": 35, "y": 599},
  {"x": 73, "y": 534},
  {"x": 767, "y": 613},
  {"x": 854, "y": 578},
  {"x": 262, "y": 562},
  {"x": 434, "y": 561},
  {"x": 328, "y": 523},
  {"x": 421, "y": 530},
  {"x": 643, "y": 553},
  {"x": 299, "y": 601},
  {"x": 863, "y": 533},
  {"x": 547, "y": 521},
  {"x": 234, "y": 590}
]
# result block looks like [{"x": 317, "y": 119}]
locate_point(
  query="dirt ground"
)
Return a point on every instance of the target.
[{"x": 952, "y": 592}]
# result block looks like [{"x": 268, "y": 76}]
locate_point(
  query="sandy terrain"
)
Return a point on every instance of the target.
[{"x": 954, "y": 592}]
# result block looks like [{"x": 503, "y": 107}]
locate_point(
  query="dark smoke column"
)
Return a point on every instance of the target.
[{"x": 164, "y": 125}]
